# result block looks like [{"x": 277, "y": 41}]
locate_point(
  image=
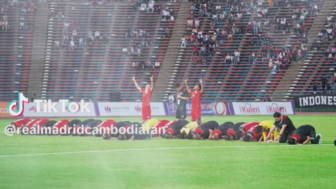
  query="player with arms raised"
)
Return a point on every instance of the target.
[
  {"x": 146, "y": 98},
  {"x": 196, "y": 95}
]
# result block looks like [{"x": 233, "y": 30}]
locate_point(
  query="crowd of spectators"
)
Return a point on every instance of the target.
[
  {"x": 3, "y": 17},
  {"x": 147, "y": 65},
  {"x": 204, "y": 43},
  {"x": 325, "y": 37}
]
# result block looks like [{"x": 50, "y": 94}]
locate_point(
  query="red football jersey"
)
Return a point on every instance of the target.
[
  {"x": 248, "y": 126},
  {"x": 196, "y": 98},
  {"x": 146, "y": 97}
]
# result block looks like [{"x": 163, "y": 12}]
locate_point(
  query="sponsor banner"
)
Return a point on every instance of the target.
[
  {"x": 128, "y": 109},
  {"x": 208, "y": 108},
  {"x": 315, "y": 101},
  {"x": 30, "y": 110},
  {"x": 4, "y": 110},
  {"x": 262, "y": 108}
]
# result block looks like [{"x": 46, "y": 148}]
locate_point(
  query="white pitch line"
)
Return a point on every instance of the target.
[{"x": 148, "y": 149}]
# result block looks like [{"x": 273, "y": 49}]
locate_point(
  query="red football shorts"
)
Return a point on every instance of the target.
[
  {"x": 146, "y": 113},
  {"x": 196, "y": 114}
]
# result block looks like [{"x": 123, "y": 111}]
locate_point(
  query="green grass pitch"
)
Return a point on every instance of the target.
[{"x": 34, "y": 162}]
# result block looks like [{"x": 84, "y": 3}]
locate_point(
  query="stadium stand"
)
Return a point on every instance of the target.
[
  {"x": 323, "y": 60},
  {"x": 99, "y": 67},
  {"x": 300, "y": 80},
  {"x": 244, "y": 81}
]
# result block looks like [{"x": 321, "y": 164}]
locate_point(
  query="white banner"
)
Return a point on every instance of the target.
[
  {"x": 128, "y": 109},
  {"x": 30, "y": 110},
  {"x": 262, "y": 108}
]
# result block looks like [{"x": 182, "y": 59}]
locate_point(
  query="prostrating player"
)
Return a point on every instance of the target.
[
  {"x": 135, "y": 133},
  {"x": 105, "y": 127},
  {"x": 159, "y": 128},
  {"x": 76, "y": 130},
  {"x": 69, "y": 128},
  {"x": 303, "y": 135},
  {"x": 38, "y": 126},
  {"x": 175, "y": 130},
  {"x": 196, "y": 95},
  {"x": 205, "y": 131},
  {"x": 266, "y": 127},
  {"x": 182, "y": 98},
  {"x": 20, "y": 122},
  {"x": 186, "y": 130},
  {"x": 91, "y": 128},
  {"x": 48, "y": 125},
  {"x": 220, "y": 132},
  {"x": 284, "y": 124},
  {"x": 146, "y": 98},
  {"x": 166, "y": 127},
  {"x": 124, "y": 128},
  {"x": 60, "y": 125},
  {"x": 233, "y": 133},
  {"x": 243, "y": 129},
  {"x": 253, "y": 134},
  {"x": 149, "y": 124}
]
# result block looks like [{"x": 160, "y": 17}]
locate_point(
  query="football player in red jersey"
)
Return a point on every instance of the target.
[
  {"x": 253, "y": 134},
  {"x": 196, "y": 95},
  {"x": 146, "y": 98}
]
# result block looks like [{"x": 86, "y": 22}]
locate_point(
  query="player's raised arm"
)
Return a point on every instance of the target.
[
  {"x": 152, "y": 82},
  {"x": 186, "y": 83},
  {"x": 136, "y": 84},
  {"x": 202, "y": 85}
]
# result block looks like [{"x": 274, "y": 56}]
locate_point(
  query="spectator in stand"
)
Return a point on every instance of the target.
[
  {"x": 97, "y": 35},
  {"x": 267, "y": 97},
  {"x": 315, "y": 47},
  {"x": 284, "y": 63},
  {"x": 252, "y": 58},
  {"x": 324, "y": 82},
  {"x": 184, "y": 41},
  {"x": 236, "y": 57},
  {"x": 228, "y": 59},
  {"x": 304, "y": 52},
  {"x": 314, "y": 87},
  {"x": 329, "y": 87}
]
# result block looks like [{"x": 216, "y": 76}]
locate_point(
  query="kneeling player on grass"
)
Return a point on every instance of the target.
[
  {"x": 220, "y": 132},
  {"x": 149, "y": 124},
  {"x": 243, "y": 129},
  {"x": 182, "y": 98},
  {"x": 134, "y": 134},
  {"x": 186, "y": 130},
  {"x": 166, "y": 127},
  {"x": 233, "y": 132},
  {"x": 205, "y": 131},
  {"x": 303, "y": 135},
  {"x": 175, "y": 130},
  {"x": 253, "y": 134},
  {"x": 266, "y": 127},
  {"x": 284, "y": 124}
]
